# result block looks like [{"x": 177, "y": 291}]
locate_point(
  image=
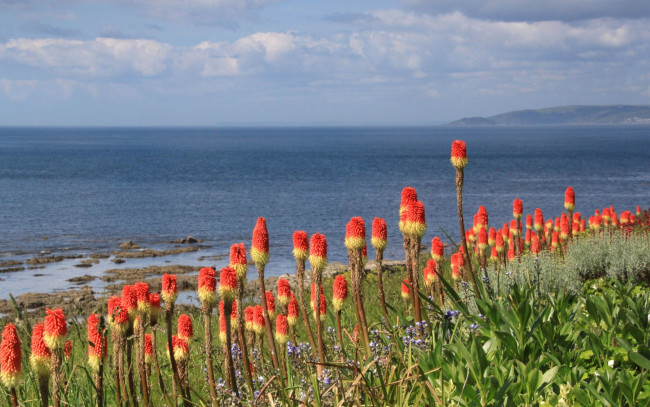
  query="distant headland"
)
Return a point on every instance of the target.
[{"x": 612, "y": 114}]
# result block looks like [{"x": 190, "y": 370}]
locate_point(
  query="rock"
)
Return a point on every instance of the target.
[
  {"x": 129, "y": 244},
  {"x": 81, "y": 279},
  {"x": 118, "y": 260},
  {"x": 83, "y": 265},
  {"x": 186, "y": 240},
  {"x": 100, "y": 255}
]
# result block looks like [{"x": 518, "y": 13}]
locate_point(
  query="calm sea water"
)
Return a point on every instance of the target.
[{"x": 87, "y": 189}]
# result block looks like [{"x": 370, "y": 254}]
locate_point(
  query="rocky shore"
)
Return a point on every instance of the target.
[{"x": 83, "y": 300}]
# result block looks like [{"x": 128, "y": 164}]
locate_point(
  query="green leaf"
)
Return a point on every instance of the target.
[{"x": 639, "y": 359}]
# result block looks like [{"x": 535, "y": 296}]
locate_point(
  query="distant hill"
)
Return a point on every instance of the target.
[{"x": 614, "y": 114}]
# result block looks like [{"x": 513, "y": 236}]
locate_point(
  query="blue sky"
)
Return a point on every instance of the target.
[{"x": 259, "y": 62}]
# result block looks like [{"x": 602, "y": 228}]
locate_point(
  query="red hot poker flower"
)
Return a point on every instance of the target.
[
  {"x": 517, "y": 208},
  {"x": 228, "y": 284},
  {"x": 96, "y": 343},
  {"x": 40, "y": 357},
  {"x": 459, "y": 154},
  {"x": 300, "y": 245},
  {"x": 539, "y": 220},
  {"x": 292, "y": 311},
  {"x": 437, "y": 249},
  {"x": 154, "y": 300},
  {"x": 482, "y": 218},
  {"x": 379, "y": 234},
  {"x": 238, "y": 260},
  {"x": 249, "y": 315},
  {"x": 492, "y": 236},
  {"x": 355, "y": 234},
  {"x": 142, "y": 294},
  {"x": 169, "y": 291},
  {"x": 260, "y": 246},
  {"x": 181, "y": 348},
  {"x": 529, "y": 222},
  {"x": 482, "y": 239},
  {"x": 284, "y": 292},
  {"x": 259, "y": 323},
  {"x": 148, "y": 349},
  {"x": 184, "y": 327},
  {"x": 10, "y": 357},
  {"x": 408, "y": 195},
  {"x": 56, "y": 329},
  {"x": 282, "y": 329},
  {"x": 130, "y": 300},
  {"x": 270, "y": 304},
  {"x": 569, "y": 199},
  {"x": 406, "y": 291},
  {"x": 415, "y": 224},
  {"x": 340, "y": 292},
  {"x": 318, "y": 252},
  {"x": 323, "y": 307},
  {"x": 207, "y": 286}
]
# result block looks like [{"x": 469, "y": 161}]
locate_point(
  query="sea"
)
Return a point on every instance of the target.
[{"x": 77, "y": 191}]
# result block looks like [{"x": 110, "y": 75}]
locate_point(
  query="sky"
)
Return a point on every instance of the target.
[{"x": 317, "y": 62}]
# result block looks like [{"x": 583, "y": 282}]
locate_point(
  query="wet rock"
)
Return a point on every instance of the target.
[
  {"x": 82, "y": 279},
  {"x": 100, "y": 255},
  {"x": 187, "y": 240},
  {"x": 118, "y": 260},
  {"x": 156, "y": 253},
  {"x": 51, "y": 259},
  {"x": 11, "y": 269},
  {"x": 129, "y": 244}
]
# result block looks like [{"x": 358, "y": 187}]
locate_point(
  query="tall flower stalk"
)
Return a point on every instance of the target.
[
  {"x": 318, "y": 261},
  {"x": 39, "y": 360},
  {"x": 414, "y": 227},
  {"x": 228, "y": 293},
  {"x": 10, "y": 361},
  {"x": 339, "y": 295},
  {"x": 570, "y": 205},
  {"x": 169, "y": 293},
  {"x": 378, "y": 240},
  {"x": 185, "y": 331},
  {"x": 97, "y": 353},
  {"x": 208, "y": 295},
  {"x": 260, "y": 256},
  {"x": 301, "y": 252},
  {"x": 355, "y": 240},
  {"x": 143, "y": 310},
  {"x": 239, "y": 263},
  {"x": 56, "y": 330},
  {"x": 459, "y": 160}
]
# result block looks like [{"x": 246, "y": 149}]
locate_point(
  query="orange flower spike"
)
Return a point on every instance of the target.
[
  {"x": 511, "y": 253},
  {"x": 614, "y": 218},
  {"x": 96, "y": 343},
  {"x": 475, "y": 223},
  {"x": 118, "y": 317},
  {"x": 569, "y": 199},
  {"x": 282, "y": 329},
  {"x": 142, "y": 296},
  {"x": 517, "y": 208},
  {"x": 539, "y": 220},
  {"x": 355, "y": 234},
  {"x": 500, "y": 244},
  {"x": 582, "y": 225},
  {"x": 607, "y": 216},
  {"x": 40, "y": 356},
  {"x": 238, "y": 260},
  {"x": 10, "y": 357},
  {"x": 527, "y": 238},
  {"x": 260, "y": 246},
  {"x": 154, "y": 313},
  {"x": 181, "y": 348},
  {"x": 68, "y": 349},
  {"x": 222, "y": 323},
  {"x": 169, "y": 291},
  {"x": 482, "y": 217},
  {"x": 207, "y": 286},
  {"x": 364, "y": 255},
  {"x": 234, "y": 322},
  {"x": 379, "y": 234},
  {"x": 565, "y": 229},
  {"x": 492, "y": 237},
  {"x": 284, "y": 292},
  {"x": 270, "y": 304},
  {"x": 556, "y": 226},
  {"x": 534, "y": 244},
  {"x": 406, "y": 291},
  {"x": 318, "y": 252},
  {"x": 228, "y": 284},
  {"x": 292, "y": 311},
  {"x": 415, "y": 223},
  {"x": 638, "y": 211},
  {"x": 529, "y": 222},
  {"x": 259, "y": 324},
  {"x": 459, "y": 154},
  {"x": 148, "y": 349},
  {"x": 430, "y": 275},
  {"x": 249, "y": 315},
  {"x": 130, "y": 301},
  {"x": 408, "y": 195},
  {"x": 482, "y": 239},
  {"x": 313, "y": 294},
  {"x": 184, "y": 327},
  {"x": 340, "y": 292},
  {"x": 437, "y": 249},
  {"x": 555, "y": 240},
  {"x": 56, "y": 329},
  {"x": 300, "y": 245}
]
